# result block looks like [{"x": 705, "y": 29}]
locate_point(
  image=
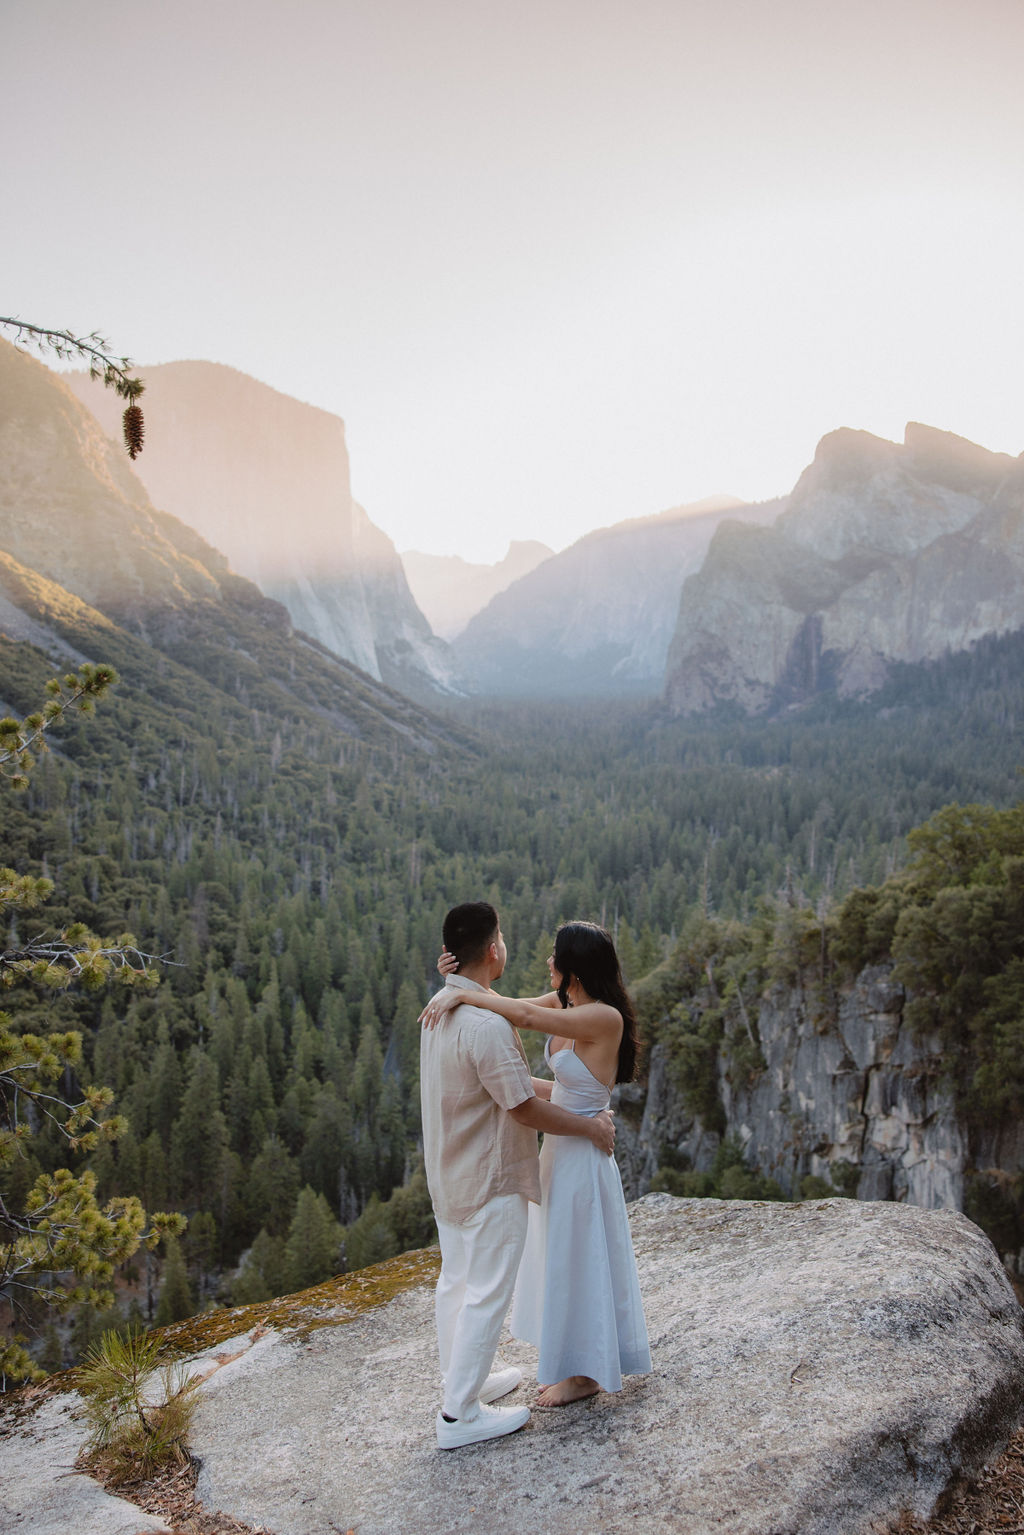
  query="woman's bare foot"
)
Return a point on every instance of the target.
[{"x": 573, "y": 1389}]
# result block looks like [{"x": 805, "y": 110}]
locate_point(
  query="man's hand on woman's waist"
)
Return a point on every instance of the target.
[{"x": 604, "y": 1137}]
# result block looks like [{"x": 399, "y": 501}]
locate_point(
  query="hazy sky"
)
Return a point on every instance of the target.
[{"x": 556, "y": 262}]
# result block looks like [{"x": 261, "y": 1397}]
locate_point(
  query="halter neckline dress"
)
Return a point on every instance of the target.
[{"x": 577, "y": 1295}]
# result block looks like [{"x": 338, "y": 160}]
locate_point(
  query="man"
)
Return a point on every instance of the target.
[{"x": 480, "y": 1122}]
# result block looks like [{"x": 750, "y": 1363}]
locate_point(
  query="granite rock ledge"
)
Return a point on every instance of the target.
[{"x": 818, "y": 1369}]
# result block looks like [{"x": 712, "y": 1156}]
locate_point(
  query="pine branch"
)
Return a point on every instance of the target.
[
  {"x": 18, "y": 738},
  {"x": 62, "y": 962},
  {"x": 94, "y": 350}
]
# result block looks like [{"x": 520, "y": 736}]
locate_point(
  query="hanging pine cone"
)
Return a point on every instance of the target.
[{"x": 134, "y": 430}]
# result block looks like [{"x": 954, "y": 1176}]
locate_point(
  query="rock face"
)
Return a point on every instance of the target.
[
  {"x": 90, "y": 569},
  {"x": 71, "y": 508},
  {"x": 597, "y": 618},
  {"x": 265, "y": 479},
  {"x": 40, "y": 1491},
  {"x": 856, "y": 1099},
  {"x": 818, "y": 1369},
  {"x": 862, "y": 1091},
  {"x": 884, "y": 552},
  {"x": 450, "y": 590}
]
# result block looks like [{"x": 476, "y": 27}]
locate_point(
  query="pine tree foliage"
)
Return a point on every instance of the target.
[
  {"x": 58, "y": 1245},
  {"x": 20, "y": 738},
  {"x": 312, "y": 1251},
  {"x": 176, "y": 1299},
  {"x": 261, "y": 1275},
  {"x": 139, "y": 1408}
]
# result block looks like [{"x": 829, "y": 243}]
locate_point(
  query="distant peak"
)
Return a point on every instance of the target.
[
  {"x": 950, "y": 459},
  {"x": 916, "y": 435},
  {"x": 845, "y": 457},
  {"x": 518, "y": 547},
  {"x": 848, "y": 442},
  {"x": 849, "y": 455}
]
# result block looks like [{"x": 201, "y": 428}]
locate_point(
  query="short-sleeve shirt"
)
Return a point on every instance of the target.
[{"x": 473, "y": 1069}]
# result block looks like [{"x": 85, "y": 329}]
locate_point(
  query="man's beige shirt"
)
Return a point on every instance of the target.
[{"x": 472, "y": 1071}]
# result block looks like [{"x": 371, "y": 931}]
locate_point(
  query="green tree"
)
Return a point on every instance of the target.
[
  {"x": 20, "y": 739},
  {"x": 412, "y": 1214},
  {"x": 261, "y": 1276},
  {"x": 371, "y": 1238},
  {"x": 58, "y": 1246},
  {"x": 199, "y": 1139},
  {"x": 52, "y": 1356},
  {"x": 164, "y": 1082},
  {"x": 328, "y": 1143},
  {"x": 176, "y": 1300},
  {"x": 199, "y": 1248},
  {"x": 314, "y": 1240},
  {"x": 273, "y": 1186}
]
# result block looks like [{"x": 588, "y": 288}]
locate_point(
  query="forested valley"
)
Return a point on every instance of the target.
[{"x": 296, "y": 879}]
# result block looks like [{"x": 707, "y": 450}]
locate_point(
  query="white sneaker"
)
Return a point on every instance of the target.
[
  {"x": 488, "y": 1423},
  {"x": 500, "y": 1383}
]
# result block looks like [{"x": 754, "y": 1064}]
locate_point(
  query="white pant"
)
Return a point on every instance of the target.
[{"x": 479, "y": 1260}]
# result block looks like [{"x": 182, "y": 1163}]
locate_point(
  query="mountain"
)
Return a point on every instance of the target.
[
  {"x": 265, "y": 479},
  {"x": 598, "y": 617},
  {"x": 88, "y": 567},
  {"x": 884, "y": 553},
  {"x": 450, "y": 590}
]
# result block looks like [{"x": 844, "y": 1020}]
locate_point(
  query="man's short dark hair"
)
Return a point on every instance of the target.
[{"x": 469, "y": 929}]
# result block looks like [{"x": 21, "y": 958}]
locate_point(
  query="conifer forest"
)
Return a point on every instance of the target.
[{"x": 293, "y": 879}]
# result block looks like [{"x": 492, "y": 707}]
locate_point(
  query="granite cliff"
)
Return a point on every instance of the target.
[
  {"x": 72, "y": 509},
  {"x": 90, "y": 569},
  {"x": 842, "y": 1090},
  {"x": 265, "y": 479},
  {"x": 883, "y": 552}
]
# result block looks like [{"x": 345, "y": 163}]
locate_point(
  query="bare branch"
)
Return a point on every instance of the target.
[{"x": 94, "y": 350}]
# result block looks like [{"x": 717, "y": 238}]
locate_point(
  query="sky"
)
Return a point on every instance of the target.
[{"x": 556, "y": 263}]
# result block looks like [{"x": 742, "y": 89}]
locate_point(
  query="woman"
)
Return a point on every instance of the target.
[{"x": 577, "y": 1296}]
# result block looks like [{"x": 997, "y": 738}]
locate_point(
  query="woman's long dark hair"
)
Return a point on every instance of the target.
[{"x": 586, "y": 951}]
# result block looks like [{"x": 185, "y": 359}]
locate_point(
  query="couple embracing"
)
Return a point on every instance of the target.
[{"x": 558, "y": 1221}]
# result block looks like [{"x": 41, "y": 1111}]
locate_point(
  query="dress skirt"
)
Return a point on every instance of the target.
[{"x": 577, "y": 1296}]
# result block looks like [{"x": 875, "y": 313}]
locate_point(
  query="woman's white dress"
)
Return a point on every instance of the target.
[{"x": 577, "y": 1295}]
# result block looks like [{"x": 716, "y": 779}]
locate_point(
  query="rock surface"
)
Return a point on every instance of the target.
[
  {"x": 265, "y": 478},
  {"x": 818, "y": 1368},
  {"x": 41, "y": 1493},
  {"x": 89, "y": 568},
  {"x": 856, "y": 1098},
  {"x": 884, "y": 552}
]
